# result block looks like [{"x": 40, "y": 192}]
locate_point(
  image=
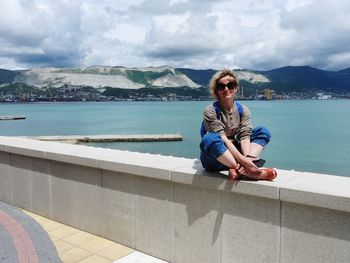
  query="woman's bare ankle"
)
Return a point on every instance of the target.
[{"x": 233, "y": 174}]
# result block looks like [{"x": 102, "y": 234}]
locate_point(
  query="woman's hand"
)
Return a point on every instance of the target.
[
  {"x": 246, "y": 166},
  {"x": 247, "y": 162}
]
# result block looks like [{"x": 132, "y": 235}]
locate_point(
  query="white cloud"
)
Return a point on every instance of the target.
[
  {"x": 126, "y": 33},
  {"x": 181, "y": 33},
  {"x": 172, "y": 23},
  {"x": 40, "y": 32}
]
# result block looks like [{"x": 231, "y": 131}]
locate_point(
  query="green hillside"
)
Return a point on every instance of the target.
[
  {"x": 201, "y": 77},
  {"x": 6, "y": 76},
  {"x": 146, "y": 77},
  {"x": 19, "y": 88}
]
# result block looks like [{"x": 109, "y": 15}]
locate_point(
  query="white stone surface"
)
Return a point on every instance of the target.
[
  {"x": 142, "y": 164},
  {"x": 26, "y": 148},
  {"x": 74, "y": 154},
  {"x": 138, "y": 257},
  {"x": 195, "y": 175},
  {"x": 3, "y": 144},
  {"x": 325, "y": 191}
]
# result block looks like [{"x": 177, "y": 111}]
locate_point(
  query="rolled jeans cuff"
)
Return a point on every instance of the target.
[
  {"x": 213, "y": 144},
  {"x": 261, "y": 135}
]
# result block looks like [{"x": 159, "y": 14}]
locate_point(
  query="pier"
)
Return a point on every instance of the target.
[
  {"x": 111, "y": 138},
  {"x": 8, "y": 118}
]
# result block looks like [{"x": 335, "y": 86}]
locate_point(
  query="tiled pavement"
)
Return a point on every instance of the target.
[{"x": 27, "y": 237}]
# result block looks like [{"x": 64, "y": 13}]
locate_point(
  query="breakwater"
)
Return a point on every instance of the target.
[
  {"x": 111, "y": 138},
  {"x": 8, "y": 118}
]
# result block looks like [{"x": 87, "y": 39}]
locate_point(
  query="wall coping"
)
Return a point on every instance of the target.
[{"x": 321, "y": 190}]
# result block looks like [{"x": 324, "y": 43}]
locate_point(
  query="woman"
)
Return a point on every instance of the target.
[{"x": 229, "y": 142}]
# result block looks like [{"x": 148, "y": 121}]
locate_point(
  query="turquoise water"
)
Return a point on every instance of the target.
[{"x": 307, "y": 135}]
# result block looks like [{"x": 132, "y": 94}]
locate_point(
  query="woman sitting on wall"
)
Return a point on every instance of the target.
[{"x": 228, "y": 140}]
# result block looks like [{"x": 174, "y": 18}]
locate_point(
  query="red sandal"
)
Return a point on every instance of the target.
[{"x": 271, "y": 174}]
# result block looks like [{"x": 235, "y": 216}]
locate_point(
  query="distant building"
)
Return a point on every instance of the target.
[{"x": 321, "y": 96}]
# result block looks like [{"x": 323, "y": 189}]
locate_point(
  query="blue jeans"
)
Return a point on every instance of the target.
[{"x": 212, "y": 146}]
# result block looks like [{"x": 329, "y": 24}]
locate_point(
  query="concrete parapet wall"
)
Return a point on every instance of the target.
[{"x": 171, "y": 208}]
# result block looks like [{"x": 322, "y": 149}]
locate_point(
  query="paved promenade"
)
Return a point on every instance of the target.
[{"x": 30, "y": 238}]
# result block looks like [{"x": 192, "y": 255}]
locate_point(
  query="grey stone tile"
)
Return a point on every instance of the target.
[
  {"x": 26, "y": 150},
  {"x": 30, "y": 183},
  {"x": 119, "y": 207},
  {"x": 4, "y": 158},
  {"x": 3, "y": 143},
  {"x": 21, "y": 167},
  {"x": 197, "y": 224},
  {"x": 40, "y": 192},
  {"x": 155, "y": 218},
  {"x": 139, "y": 170},
  {"x": 250, "y": 229},
  {"x": 74, "y": 154},
  {"x": 76, "y": 196},
  {"x": 314, "y": 235},
  {"x": 142, "y": 164},
  {"x": 5, "y": 178}
]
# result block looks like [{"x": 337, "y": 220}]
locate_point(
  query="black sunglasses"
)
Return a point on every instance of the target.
[{"x": 231, "y": 85}]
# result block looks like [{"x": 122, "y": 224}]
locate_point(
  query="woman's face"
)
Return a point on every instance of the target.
[{"x": 226, "y": 87}]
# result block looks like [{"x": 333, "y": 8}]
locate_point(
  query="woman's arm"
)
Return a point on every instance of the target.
[
  {"x": 244, "y": 131},
  {"x": 245, "y": 146},
  {"x": 241, "y": 159}
]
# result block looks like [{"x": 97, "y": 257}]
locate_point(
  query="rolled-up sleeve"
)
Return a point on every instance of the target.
[
  {"x": 211, "y": 122},
  {"x": 245, "y": 126}
]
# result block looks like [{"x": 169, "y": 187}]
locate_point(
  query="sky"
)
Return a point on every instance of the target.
[{"x": 199, "y": 34}]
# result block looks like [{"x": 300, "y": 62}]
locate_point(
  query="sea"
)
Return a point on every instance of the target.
[{"x": 307, "y": 135}]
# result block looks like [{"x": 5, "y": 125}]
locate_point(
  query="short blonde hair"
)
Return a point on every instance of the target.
[{"x": 214, "y": 81}]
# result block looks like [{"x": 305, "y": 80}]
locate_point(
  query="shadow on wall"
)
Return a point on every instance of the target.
[{"x": 235, "y": 205}]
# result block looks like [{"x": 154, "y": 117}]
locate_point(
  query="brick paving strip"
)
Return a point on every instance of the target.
[
  {"x": 23, "y": 239},
  {"x": 7, "y": 249},
  {"x": 25, "y": 249}
]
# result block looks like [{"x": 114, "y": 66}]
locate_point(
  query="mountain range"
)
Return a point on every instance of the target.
[
  {"x": 282, "y": 80},
  {"x": 285, "y": 79}
]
